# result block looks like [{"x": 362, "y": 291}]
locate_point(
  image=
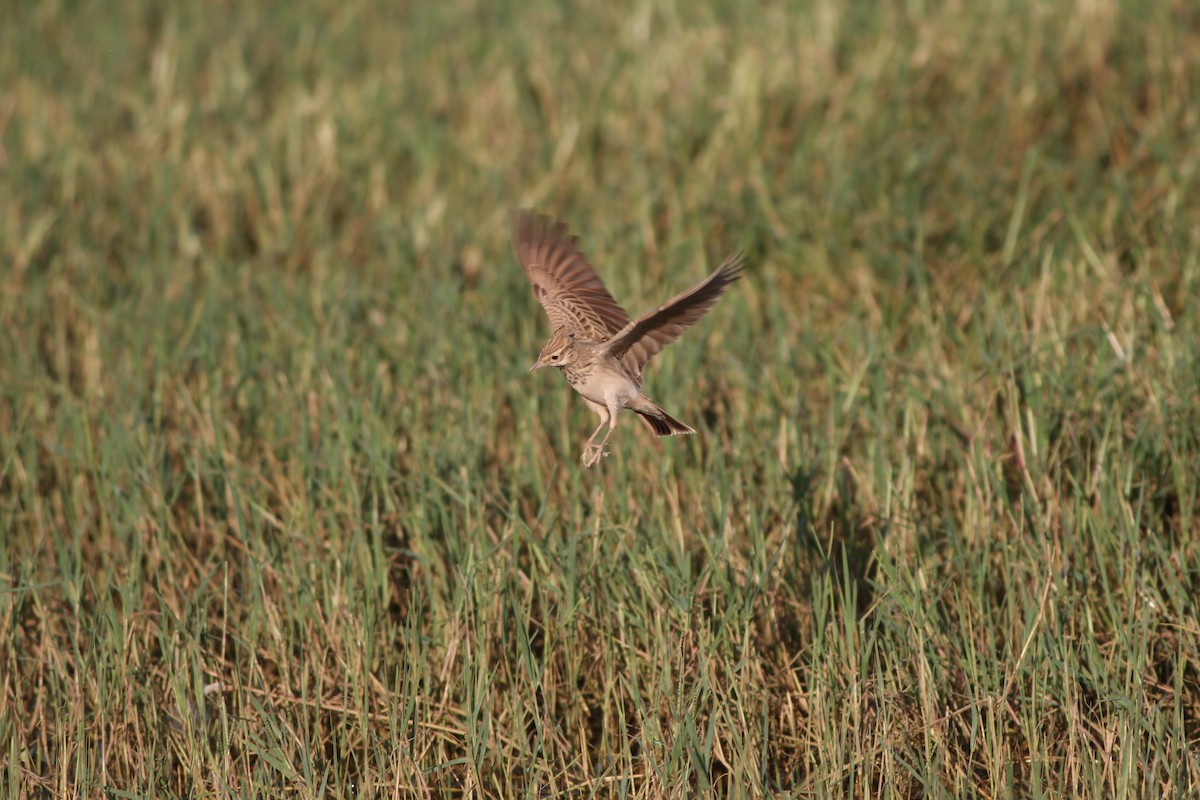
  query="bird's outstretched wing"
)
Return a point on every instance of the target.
[
  {"x": 563, "y": 281},
  {"x": 646, "y": 336}
]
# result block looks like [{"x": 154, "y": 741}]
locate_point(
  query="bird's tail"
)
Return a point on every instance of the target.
[{"x": 658, "y": 421}]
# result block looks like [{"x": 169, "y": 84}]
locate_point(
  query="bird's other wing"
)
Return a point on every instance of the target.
[
  {"x": 646, "y": 336},
  {"x": 563, "y": 281}
]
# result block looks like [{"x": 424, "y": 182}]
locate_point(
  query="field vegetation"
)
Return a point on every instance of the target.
[{"x": 282, "y": 514}]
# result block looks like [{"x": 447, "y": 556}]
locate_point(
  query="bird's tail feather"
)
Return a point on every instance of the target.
[{"x": 660, "y": 422}]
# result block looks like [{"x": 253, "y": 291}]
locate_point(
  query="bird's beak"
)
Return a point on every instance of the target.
[{"x": 536, "y": 364}]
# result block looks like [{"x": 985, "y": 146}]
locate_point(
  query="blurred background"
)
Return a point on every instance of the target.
[{"x": 283, "y": 512}]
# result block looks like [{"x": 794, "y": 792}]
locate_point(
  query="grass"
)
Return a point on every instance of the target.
[{"x": 284, "y": 516}]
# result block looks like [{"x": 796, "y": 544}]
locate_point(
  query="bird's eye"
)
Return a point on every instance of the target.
[{"x": 554, "y": 357}]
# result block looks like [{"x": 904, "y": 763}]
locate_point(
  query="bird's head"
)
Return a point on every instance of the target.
[{"x": 558, "y": 352}]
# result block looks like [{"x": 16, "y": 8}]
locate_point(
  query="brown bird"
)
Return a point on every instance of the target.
[{"x": 598, "y": 349}]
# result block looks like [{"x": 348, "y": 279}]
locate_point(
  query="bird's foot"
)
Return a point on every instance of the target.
[{"x": 592, "y": 454}]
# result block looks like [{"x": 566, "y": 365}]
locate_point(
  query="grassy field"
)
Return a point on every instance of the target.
[{"x": 284, "y": 516}]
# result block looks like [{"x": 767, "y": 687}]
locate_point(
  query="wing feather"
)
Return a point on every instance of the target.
[
  {"x": 566, "y": 285},
  {"x": 646, "y": 336}
]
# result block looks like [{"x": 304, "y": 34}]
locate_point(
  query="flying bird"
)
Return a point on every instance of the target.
[{"x": 597, "y": 347}]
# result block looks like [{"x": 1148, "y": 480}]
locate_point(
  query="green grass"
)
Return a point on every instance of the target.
[{"x": 283, "y": 514}]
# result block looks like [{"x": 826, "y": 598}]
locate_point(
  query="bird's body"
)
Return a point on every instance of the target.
[{"x": 598, "y": 349}]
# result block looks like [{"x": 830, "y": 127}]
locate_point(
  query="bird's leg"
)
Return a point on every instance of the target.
[
  {"x": 591, "y": 452},
  {"x": 598, "y": 451},
  {"x": 612, "y": 426},
  {"x": 589, "y": 447}
]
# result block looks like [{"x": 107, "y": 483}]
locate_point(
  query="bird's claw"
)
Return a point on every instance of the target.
[{"x": 592, "y": 454}]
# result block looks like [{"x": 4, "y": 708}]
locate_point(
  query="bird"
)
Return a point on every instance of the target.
[{"x": 595, "y": 345}]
